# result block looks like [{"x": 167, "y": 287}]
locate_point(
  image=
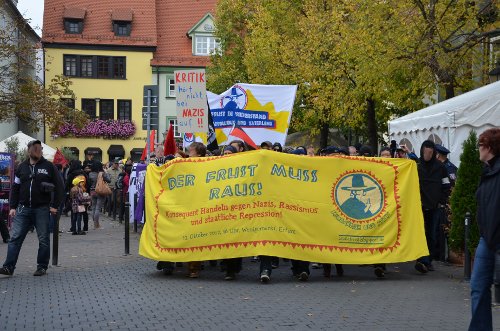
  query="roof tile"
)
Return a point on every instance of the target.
[{"x": 98, "y": 22}]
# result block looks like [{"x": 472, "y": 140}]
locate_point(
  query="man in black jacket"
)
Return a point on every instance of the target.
[
  {"x": 30, "y": 204},
  {"x": 434, "y": 191}
]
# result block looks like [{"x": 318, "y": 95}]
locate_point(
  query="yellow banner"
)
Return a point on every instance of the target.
[{"x": 321, "y": 209}]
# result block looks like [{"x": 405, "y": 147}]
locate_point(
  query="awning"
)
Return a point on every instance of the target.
[
  {"x": 93, "y": 150},
  {"x": 116, "y": 151},
  {"x": 74, "y": 13},
  {"x": 135, "y": 154}
]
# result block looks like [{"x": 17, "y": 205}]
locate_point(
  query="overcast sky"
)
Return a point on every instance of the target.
[{"x": 32, "y": 9}]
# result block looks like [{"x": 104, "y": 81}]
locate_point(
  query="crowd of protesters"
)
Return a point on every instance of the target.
[
  {"x": 42, "y": 190},
  {"x": 436, "y": 176}
]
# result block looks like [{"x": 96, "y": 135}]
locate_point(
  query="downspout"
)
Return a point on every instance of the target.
[{"x": 44, "y": 87}]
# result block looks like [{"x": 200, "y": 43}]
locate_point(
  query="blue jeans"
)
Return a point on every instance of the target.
[
  {"x": 480, "y": 286},
  {"x": 25, "y": 218},
  {"x": 76, "y": 222}
]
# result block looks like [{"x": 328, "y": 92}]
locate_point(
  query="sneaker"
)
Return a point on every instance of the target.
[
  {"x": 303, "y": 276},
  {"x": 194, "y": 274},
  {"x": 314, "y": 265},
  {"x": 274, "y": 266},
  {"x": 74, "y": 233},
  {"x": 40, "y": 272},
  {"x": 82, "y": 233},
  {"x": 69, "y": 231},
  {"x": 229, "y": 276},
  {"x": 420, "y": 267},
  {"x": 379, "y": 272},
  {"x": 6, "y": 271},
  {"x": 264, "y": 277},
  {"x": 254, "y": 259}
]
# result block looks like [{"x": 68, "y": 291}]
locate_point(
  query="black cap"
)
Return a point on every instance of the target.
[
  {"x": 34, "y": 142},
  {"x": 267, "y": 143},
  {"x": 331, "y": 150},
  {"x": 442, "y": 150}
]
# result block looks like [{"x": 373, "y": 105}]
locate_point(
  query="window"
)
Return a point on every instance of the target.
[
  {"x": 172, "y": 121},
  {"x": 73, "y": 26},
  {"x": 107, "y": 109},
  {"x": 171, "y": 87},
  {"x": 70, "y": 65},
  {"x": 205, "y": 45},
  {"x": 102, "y": 67},
  {"x": 88, "y": 106},
  {"x": 118, "y": 67},
  {"x": 124, "y": 110},
  {"x": 86, "y": 66},
  {"x": 68, "y": 102},
  {"x": 122, "y": 28}
]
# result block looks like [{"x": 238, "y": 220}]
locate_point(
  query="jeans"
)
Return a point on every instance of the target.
[
  {"x": 480, "y": 285},
  {"x": 76, "y": 222},
  {"x": 25, "y": 218},
  {"x": 97, "y": 202},
  {"x": 432, "y": 220}
]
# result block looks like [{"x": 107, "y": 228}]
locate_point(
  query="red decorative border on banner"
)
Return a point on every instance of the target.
[{"x": 273, "y": 242}]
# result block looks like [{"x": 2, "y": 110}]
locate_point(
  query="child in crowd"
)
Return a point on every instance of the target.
[{"x": 79, "y": 200}]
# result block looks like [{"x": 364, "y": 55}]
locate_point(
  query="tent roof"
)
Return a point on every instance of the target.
[
  {"x": 24, "y": 139},
  {"x": 475, "y": 108}
]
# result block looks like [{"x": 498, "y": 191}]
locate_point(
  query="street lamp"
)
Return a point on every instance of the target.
[{"x": 495, "y": 73}]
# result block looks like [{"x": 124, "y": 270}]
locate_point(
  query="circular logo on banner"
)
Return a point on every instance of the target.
[
  {"x": 359, "y": 196},
  {"x": 188, "y": 138},
  {"x": 237, "y": 99}
]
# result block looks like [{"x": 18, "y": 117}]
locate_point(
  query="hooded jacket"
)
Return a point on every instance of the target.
[
  {"x": 433, "y": 177},
  {"x": 488, "y": 203},
  {"x": 28, "y": 189}
]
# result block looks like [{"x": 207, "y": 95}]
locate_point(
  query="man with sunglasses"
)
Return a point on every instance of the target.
[{"x": 37, "y": 192}]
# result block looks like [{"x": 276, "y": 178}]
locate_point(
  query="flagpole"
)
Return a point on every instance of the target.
[{"x": 148, "y": 124}]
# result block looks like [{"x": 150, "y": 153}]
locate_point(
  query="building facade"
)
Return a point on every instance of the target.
[
  {"x": 15, "y": 31},
  {"x": 105, "y": 48},
  {"x": 185, "y": 41}
]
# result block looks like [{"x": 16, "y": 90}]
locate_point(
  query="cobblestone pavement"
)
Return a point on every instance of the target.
[{"x": 96, "y": 287}]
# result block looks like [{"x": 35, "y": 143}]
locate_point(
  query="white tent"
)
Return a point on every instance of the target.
[
  {"x": 24, "y": 139},
  {"x": 449, "y": 122}
]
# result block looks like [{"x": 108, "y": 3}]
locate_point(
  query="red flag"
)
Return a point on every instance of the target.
[
  {"x": 151, "y": 146},
  {"x": 237, "y": 131},
  {"x": 60, "y": 159},
  {"x": 169, "y": 147}
]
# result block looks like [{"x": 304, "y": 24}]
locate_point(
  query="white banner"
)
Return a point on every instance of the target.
[
  {"x": 263, "y": 112},
  {"x": 191, "y": 101}
]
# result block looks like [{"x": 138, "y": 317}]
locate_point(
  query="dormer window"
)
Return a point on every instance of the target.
[
  {"x": 202, "y": 34},
  {"x": 73, "y": 20},
  {"x": 73, "y": 26},
  {"x": 122, "y": 22},
  {"x": 122, "y": 28},
  {"x": 205, "y": 45}
]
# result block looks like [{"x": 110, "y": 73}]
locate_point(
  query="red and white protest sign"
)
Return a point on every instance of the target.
[{"x": 191, "y": 101}]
